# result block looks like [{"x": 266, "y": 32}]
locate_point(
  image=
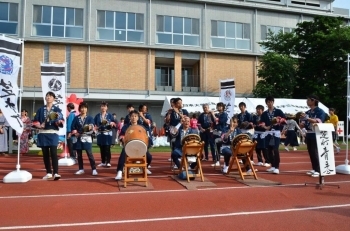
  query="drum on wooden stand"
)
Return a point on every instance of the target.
[
  {"x": 136, "y": 141},
  {"x": 245, "y": 138}
]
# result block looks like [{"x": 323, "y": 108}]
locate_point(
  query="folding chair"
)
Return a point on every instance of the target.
[
  {"x": 192, "y": 148},
  {"x": 243, "y": 150}
]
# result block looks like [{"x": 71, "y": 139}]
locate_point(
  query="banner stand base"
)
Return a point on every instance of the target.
[
  {"x": 321, "y": 184},
  {"x": 343, "y": 169},
  {"x": 17, "y": 176},
  {"x": 66, "y": 162}
]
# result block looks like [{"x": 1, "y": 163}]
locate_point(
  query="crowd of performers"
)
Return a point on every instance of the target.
[{"x": 265, "y": 127}]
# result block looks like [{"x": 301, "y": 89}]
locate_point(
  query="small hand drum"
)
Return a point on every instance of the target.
[
  {"x": 104, "y": 122},
  {"x": 86, "y": 128},
  {"x": 52, "y": 116}
]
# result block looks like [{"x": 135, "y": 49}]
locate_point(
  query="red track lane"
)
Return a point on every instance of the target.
[{"x": 85, "y": 199}]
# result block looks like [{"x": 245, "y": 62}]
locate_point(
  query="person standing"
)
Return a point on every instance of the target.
[
  {"x": 129, "y": 108},
  {"x": 114, "y": 130},
  {"x": 49, "y": 119},
  {"x": 70, "y": 118},
  {"x": 205, "y": 125},
  {"x": 82, "y": 128},
  {"x": 220, "y": 126},
  {"x": 291, "y": 135},
  {"x": 333, "y": 118},
  {"x": 244, "y": 116},
  {"x": 308, "y": 119},
  {"x": 3, "y": 135},
  {"x": 271, "y": 119},
  {"x": 24, "y": 145},
  {"x": 103, "y": 123},
  {"x": 259, "y": 137}
]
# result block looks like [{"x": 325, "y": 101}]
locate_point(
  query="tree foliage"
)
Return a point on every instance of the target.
[{"x": 318, "y": 50}]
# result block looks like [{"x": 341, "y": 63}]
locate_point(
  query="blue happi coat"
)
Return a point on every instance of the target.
[{"x": 84, "y": 140}]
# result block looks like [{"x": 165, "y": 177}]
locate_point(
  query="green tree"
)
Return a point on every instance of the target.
[
  {"x": 277, "y": 73},
  {"x": 320, "y": 48}
]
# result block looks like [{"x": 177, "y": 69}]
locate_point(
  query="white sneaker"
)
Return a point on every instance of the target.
[
  {"x": 169, "y": 159},
  {"x": 310, "y": 172},
  {"x": 260, "y": 164},
  {"x": 276, "y": 171},
  {"x": 108, "y": 165},
  {"x": 287, "y": 149},
  {"x": 56, "y": 176},
  {"x": 149, "y": 172},
  {"x": 240, "y": 161},
  {"x": 47, "y": 176},
  {"x": 316, "y": 174},
  {"x": 149, "y": 166},
  {"x": 267, "y": 165},
  {"x": 252, "y": 162},
  {"x": 94, "y": 172},
  {"x": 225, "y": 169},
  {"x": 271, "y": 169},
  {"x": 295, "y": 149},
  {"x": 338, "y": 149},
  {"x": 101, "y": 165},
  {"x": 175, "y": 167},
  {"x": 216, "y": 164},
  {"x": 79, "y": 172},
  {"x": 119, "y": 175},
  {"x": 249, "y": 171}
]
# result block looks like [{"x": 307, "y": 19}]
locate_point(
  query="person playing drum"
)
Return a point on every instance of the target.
[
  {"x": 134, "y": 118},
  {"x": 183, "y": 131},
  {"x": 81, "y": 130},
  {"x": 145, "y": 119},
  {"x": 226, "y": 144},
  {"x": 176, "y": 116}
]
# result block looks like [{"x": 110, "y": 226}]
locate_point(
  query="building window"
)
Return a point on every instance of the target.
[
  {"x": 57, "y": 22},
  {"x": 313, "y": 3},
  {"x": 68, "y": 63},
  {"x": 274, "y": 29},
  {"x": 8, "y": 18},
  {"x": 177, "y": 30},
  {"x": 230, "y": 35},
  {"x": 120, "y": 26},
  {"x": 165, "y": 77}
]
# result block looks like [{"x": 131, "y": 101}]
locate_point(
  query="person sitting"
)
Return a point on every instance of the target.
[
  {"x": 226, "y": 144},
  {"x": 134, "y": 118},
  {"x": 184, "y": 130}
]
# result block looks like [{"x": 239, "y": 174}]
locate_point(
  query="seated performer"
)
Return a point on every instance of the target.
[
  {"x": 226, "y": 144},
  {"x": 184, "y": 130},
  {"x": 134, "y": 118},
  {"x": 82, "y": 128}
]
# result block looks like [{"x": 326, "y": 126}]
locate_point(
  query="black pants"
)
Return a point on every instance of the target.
[
  {"x": 208, "y": 139},
  {"x": 274, "y": 156},
  {"x": 264, "y": 154},
  {"x": 72, "y": 152},
  {"x": 90, "y": 156},
  {"x": 312, "y": 149},
  {"x": 105, "y": 151},
  {"x": 47, "y": 152}
]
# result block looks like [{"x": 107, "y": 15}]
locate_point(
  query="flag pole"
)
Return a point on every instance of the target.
[
  {"x": 19, "y": 176},
  {"x": 345, "y": 168}
]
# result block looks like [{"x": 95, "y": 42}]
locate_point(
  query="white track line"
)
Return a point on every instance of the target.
[{"x": 175, "y": 218}]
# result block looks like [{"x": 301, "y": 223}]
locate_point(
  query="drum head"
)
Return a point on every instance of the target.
[{"x": 136, "y": 149}]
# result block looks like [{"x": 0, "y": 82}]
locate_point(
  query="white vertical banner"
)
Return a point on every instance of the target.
[
  {"x": 227, "y": 95},
  {"x": 53, "y": 78},
  {"x": 340, "y": 129},
  {"x": 10, "y": 63},
  {"x": 325, "y": 148}
]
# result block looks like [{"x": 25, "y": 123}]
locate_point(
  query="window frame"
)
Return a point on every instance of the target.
[
  {"x": 9, "y": 21},
  {"x": 125, "y": 29},
  {"x": 65, "y": 25}
]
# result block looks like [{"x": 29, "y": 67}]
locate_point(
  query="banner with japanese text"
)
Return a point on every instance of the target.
[
  {"x": 227, "y": 95},
  {"x": 53, "y": 78}
]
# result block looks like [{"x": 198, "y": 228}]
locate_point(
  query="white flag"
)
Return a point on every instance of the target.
[
  {"x": 53, "y": 78},
  {"x": 227, "y": 95},
  {"x": 10, "y": 57}
]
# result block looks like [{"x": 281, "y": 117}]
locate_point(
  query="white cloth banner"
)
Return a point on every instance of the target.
[
  {"x": 10, "y": 57},
  {"x": 227, "y": 95},
  {"x": 325, "y": 148},
  {"x": 53, "y": 78}
]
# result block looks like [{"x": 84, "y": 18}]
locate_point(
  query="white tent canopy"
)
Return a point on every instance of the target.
[{"x": 194, "y": 104}]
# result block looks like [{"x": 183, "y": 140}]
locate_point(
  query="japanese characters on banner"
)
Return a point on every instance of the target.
[
  {"x": 325, "y": 148},
  {"x": 10, "y": 57},
  {"x": 53, "y": 78},
  {"x": 227, "y": 95}
]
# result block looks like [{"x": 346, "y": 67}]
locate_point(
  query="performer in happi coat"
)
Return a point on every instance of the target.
[
  {"x": 104, "y": 121},
  {"x": 259, "y": 137},
  {"x": 82, "y": 129},
  {"x": 220, "y": 126},
  {"x": 206, "y": 122},
  {"x": 49, "y": 119},
  {"x": 24, "y": 138}
]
